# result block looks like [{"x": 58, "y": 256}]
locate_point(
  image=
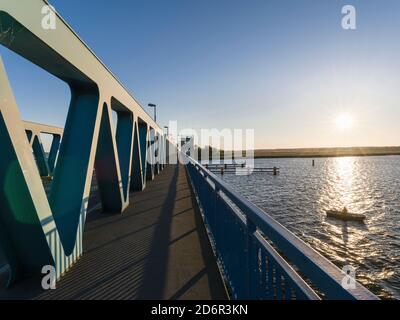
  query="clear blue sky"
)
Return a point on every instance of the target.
[{"x": 283, "y": 67}]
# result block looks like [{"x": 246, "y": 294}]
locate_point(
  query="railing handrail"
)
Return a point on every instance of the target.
[{"x": 322, "y": 272}]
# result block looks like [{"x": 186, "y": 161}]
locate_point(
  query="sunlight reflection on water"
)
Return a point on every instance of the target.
[{"x": 299, "y": 197}]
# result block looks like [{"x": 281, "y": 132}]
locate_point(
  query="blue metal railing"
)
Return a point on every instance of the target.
[{"x": 260, "y": 258}]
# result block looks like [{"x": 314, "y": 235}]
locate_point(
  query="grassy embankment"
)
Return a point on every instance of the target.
[
  {"x": 321, "y": 152},
  {"x": 327, "y": 152}
]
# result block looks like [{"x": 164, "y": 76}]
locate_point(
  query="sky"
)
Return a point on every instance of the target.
[{"x": 285, "y": 68}]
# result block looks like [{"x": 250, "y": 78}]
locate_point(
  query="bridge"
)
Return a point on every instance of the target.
[{"x": 114, "y": 212}]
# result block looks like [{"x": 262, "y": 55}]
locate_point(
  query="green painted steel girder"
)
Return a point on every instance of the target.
[
  {"x": 46, "y": 164},
  {"x": 36, "y": 230}
]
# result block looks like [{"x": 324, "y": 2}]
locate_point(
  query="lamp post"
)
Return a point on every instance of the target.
[
  {"x": 152, "y": 105},
  {"x": 166, "y": 147}
]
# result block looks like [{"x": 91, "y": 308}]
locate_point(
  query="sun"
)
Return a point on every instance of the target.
[{"x": 344, "y": 121}]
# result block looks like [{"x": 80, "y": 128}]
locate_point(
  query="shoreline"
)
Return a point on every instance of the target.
[
  {"x": 327, "y": 152},
  {"x": 317, "y": 152},
  {"x": 324, "y": 156}
]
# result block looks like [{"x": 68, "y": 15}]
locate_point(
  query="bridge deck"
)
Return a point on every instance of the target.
[{"x": 157, "y": 249}]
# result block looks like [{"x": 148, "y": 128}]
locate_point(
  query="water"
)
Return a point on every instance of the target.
[{"x": 299, "y": 196}]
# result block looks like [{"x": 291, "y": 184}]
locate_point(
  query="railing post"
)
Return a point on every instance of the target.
[
  {"x": 251, "y": 228},
  {"x": 215, "y": 219}
]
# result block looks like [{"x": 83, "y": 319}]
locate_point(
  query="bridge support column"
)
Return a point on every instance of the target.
[
  {"x": 137, "y": 172},
  {"x": 106, "y": 168},
  {"x": 150, "y": 156},
  {"x": 55, "y": 146},
  {"x": 40, "y": 156}
]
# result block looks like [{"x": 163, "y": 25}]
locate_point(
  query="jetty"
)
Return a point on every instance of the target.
[{"x": 234, "y": 168}]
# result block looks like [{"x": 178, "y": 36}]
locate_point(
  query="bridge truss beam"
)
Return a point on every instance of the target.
[{"x": 36, "y": 229}]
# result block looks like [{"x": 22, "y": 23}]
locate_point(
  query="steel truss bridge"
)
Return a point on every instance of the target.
[
  {"x": 257, "y": 257},
  {"x": 37, "y": 230}
]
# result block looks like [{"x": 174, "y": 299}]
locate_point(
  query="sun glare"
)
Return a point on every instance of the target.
[{"x": 344, "y": 121}]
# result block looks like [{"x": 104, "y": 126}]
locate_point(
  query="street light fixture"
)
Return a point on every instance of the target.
[{"x": 152, "y": 105}]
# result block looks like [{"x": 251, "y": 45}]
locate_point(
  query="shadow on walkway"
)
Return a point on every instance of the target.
[{"x": 157, "y": 249}]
